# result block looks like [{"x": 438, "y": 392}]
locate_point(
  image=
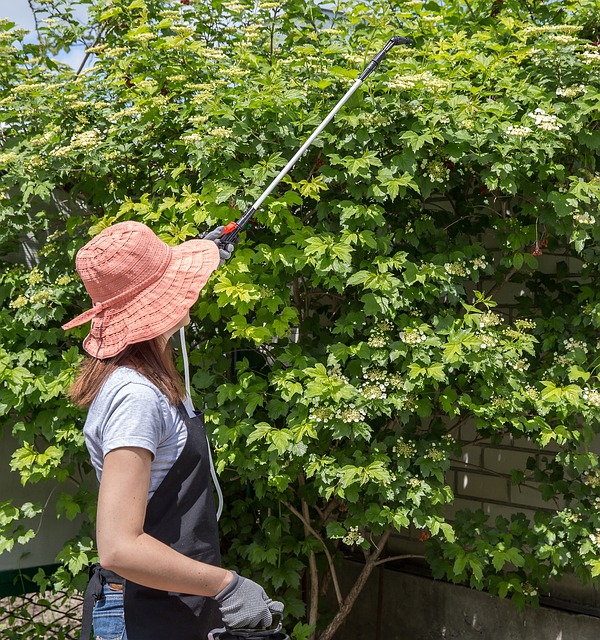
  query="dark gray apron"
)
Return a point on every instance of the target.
[{"x": 182, "y": 514}]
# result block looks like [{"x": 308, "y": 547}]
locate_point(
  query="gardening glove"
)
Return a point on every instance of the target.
[
  {"x": 244, "y": 604},
  {"x": 225, "y": 250}
]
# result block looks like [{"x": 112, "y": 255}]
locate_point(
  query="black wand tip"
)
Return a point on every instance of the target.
[{"x": 400, "y": 40}]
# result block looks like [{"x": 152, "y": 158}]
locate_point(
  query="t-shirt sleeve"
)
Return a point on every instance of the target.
[{"x": 135, "y": 419}]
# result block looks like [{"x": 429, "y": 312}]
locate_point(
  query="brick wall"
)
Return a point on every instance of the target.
[{"x": 481, "y": 479}]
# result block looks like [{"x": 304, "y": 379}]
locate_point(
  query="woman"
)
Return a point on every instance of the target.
[{"x": 159, "y": 575}]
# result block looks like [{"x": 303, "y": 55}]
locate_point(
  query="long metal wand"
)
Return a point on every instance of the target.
[{"x": 232, "y": 230}]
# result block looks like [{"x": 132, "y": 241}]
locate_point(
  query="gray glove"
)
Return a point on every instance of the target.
[
  {"x": 244, "y": 604},
  {"x": 225, "y": 250}
]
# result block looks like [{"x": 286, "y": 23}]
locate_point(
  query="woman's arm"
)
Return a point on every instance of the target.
[{"x": 124, "y": 547}]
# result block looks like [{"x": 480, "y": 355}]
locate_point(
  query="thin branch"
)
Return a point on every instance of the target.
[
  {"x": 511, "y": 272},
  {"x": 470, "y": 10},
  {"x": 88, "y": 53},
  {"x": 313, "y": 602},
  {"x": 404, "y": 557},
  {"x": 336, "y": 585},
  {"x": 35, "y": 21}
]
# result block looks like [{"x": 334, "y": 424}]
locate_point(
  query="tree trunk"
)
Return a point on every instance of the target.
[{"x": 350, "y": 599}]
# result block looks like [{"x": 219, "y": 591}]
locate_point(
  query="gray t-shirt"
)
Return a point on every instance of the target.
[{"x": 130, "y": 411}]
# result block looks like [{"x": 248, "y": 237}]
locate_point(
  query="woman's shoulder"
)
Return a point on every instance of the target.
[
  {"x": 128, "y": 396},
  {"x": 125, "y": 383}
]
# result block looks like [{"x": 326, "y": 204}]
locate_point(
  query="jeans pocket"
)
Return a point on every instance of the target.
[{"x": 108, "y": 616}]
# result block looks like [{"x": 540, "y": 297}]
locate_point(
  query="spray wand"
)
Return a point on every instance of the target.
[{"x": 232, "y": 231}]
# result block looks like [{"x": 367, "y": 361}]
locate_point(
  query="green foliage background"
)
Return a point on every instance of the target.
[{"x": 354, "y": 330}]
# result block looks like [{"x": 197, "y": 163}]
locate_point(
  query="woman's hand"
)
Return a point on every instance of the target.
[{"x": 225, "y": 250}]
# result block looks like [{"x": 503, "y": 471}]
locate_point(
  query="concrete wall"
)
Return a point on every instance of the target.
[
  {"x": 52, "y": 531},
  {"x": 400, "y": 606}
]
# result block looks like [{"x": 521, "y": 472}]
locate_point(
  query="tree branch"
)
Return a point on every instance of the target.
[
  {"x": 404, "y": 557},
  {"x": 348, "y": 603},
  {"x": 336, "y": 585}
]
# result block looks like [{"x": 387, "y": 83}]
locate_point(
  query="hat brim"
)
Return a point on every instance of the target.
[{"x": 157, "y": 308}]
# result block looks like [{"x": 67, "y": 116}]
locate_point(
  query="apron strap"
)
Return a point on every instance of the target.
[{"x": 98, "y": 578}]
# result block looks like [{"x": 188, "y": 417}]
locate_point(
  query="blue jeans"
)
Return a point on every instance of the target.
[{"x": 108, "y": 616}]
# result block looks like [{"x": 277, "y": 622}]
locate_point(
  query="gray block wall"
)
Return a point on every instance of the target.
[{"x": 400, "y": 606}]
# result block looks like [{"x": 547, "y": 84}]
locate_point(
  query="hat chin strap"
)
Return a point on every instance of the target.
[{"x": 190, "y": 407}]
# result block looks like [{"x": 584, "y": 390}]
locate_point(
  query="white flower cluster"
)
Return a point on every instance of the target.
[
  {"x": 34, "y": 277},
  {"x": 545, "y": 121},
  {"x": 487, "y": 341},
  {"x": 571, "y": 92},
  {"x": 435, "y": 170},
  {"x": 374, "y": 391},
  {"x": 571, "y": 344},
  {"x": 479, "y": 263},
  {"x": 353, "y": 537},
  {"x": 64, "y": 280},
  {"x": 489, "y": 319},
  {"x": 220, "y": 132},
  {"x": 97, "y": 49},
  {"x": 583, "y": 218},
  {"x": 595, "y": 537},
  {"x": 184, "y": 31},
  {"x": 198, "y": 120},
  {"x": 456, "y": 268},
  {"x": 426, "y": 79},
  {"x": 133, "y": 112},
  {"x": 518, "y": 131},
  {"x": 404, "y": 449},
  {"x": 192, "y": 138},
  {"x": 321, "y": 414},
  {"x": 591, "y": 478},
  {"x": 521, "y": 365},
  {"x": 236, "y": 72},
  {"x": 19, "y": 302},
  {"x": 83, "y": 140},
  {"x": 336, "y": 374},
  {"x": 375, "y": 374},
  {"x": 523, "y": 324},
  {"x": 144, "y": 36},
  {"x": 412, "y": 336},
  {"x": 592, "y": 397},
  {"x": 563, "y": 39},
  {"x": 593, "y": 57},
  {"x": 414, "y": 483},
  {"x": 27, "y": 88},
  {"x": 550, "y": 28},
  {"x": 7, "y": 157},
  {"x": 530, "y": 392},
  {"x": 42, "y": 297},
  {"x": 115, "y": 52},
  {"x": 562, "y": 360},
  {"x": 436, "y": 455},
  {"x": 352, "y": 414},
  {"x": 529, "y": 590},
  {"x": 377, "y": 340}
]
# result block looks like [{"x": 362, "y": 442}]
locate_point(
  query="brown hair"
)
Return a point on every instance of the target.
[{"x": 152, "y": 358}]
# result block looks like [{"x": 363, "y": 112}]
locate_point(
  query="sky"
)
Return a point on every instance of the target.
[{"x": 19, "y": 12}]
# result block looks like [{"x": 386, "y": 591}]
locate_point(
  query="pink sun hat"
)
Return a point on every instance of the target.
[{"x": 139, "y": 285}]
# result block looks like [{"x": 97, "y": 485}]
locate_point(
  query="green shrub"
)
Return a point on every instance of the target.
[{"x": 355, "y": 329}]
